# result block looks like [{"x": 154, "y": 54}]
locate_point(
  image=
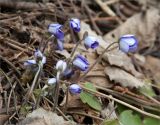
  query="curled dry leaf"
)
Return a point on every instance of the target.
[
  {"x": 120, "y": 59},
  {"x": 122, "y": 77},
  {"x": 43, "y": 117},
  {"x": 109, "y": 111}
]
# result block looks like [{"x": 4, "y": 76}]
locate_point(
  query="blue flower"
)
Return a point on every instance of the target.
[
  {"x": 91, "y": 42},
  {"x": 56, "y": 30},
  {"x": 128, "y": 43},
  {"x": 59, "y": 45},
  {"x": 61, "y": 65},
  {"x": 75, "y": 24},
  {"x": 38, "y": 54},
  {"x": 75, "y": 89},
  {"x": 81, "y": 63},
  {"x": 29, "y": 62},
  {"x": 68, "y": 72}
]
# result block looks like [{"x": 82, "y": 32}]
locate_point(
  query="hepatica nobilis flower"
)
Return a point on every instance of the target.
[
  {"x": 61, "y": 66},
  {"x": 128, "y": 43},
  {"x": 75, "y": 89},
  {"x": 56, "y": 30},
  {"x": 81, "y": 63},
  {"x": 75, "y": 24},
  {"x": 38, "y": 55},
  {"x": 91, "y": 42},
  {"x": 52, "y": 81}
]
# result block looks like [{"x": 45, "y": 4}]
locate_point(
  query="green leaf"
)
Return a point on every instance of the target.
[
  {"x": 147, "y": 90},
  {"x": 91, "y": 100},
  {"x": 37, "y": 92},
  {"x": 151, "y": 121},
  {"x": 127, "y": 118},
  {"x": 25, "y": 109},
  {"x": 90, "y": 86},
  {"x": 111, "y": 122}
]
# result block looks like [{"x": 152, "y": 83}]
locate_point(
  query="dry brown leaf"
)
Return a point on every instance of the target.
[
  {"x": 120, "y": 59},
  {"x": 3, "y": 118},
  {"x": 153, "y": 64},
  {"x": 44, "y": 117},
  {"x": 75, "y": 102},
  {"x": 33, "y": 121},
  {"x": 122, "y": 77},
  {"x": 143, "y": 25}
]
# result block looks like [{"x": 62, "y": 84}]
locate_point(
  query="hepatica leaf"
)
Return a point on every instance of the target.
[
  {"x": 151, "y": 121},
  {"x": 111, "y": 122},
  {"x": 147, "y": 90},
  {"x": 90, "y": 86},
  {"x": 127, "y": 118},
  {"x": 90, "y": 99}
]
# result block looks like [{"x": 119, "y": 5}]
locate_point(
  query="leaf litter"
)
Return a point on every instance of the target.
[{"x": 24, "y": 28}]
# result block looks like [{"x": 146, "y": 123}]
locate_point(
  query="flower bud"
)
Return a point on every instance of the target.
[
  {"x": 52, "y": 81},
  {"x": 75, "y": 89},
  {"x": 56, "y": 30},
  {"x": 81, "y": 63},
  {"x": 29, "y": 62},
  {"x": 61, "y": 66},
  {"x": 91, "y": 42},
  {"x": 75, "y": 24},
  {"x": 38, "y": 54},
  {"x": 128, "y": 43}
]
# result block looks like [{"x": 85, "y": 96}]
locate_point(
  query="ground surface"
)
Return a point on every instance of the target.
[{"x": 122, "y": 88}]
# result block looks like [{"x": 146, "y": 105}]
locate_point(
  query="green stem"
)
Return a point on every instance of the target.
[{"x": 46, "y": 42}]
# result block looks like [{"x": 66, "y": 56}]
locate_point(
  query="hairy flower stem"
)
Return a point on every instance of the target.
[
  {"x": 46, "y": 42},
  {"x": 74, "y": 50},
  {"x": 97, "y": 61},
  {"x": 56, "y": 94},
  {"x": 35, "y": 81}
]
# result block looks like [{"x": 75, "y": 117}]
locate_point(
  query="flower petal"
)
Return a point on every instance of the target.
[
  {"x": 81, "y": 63},
  {"x": 75, "y": 89},
  {"x": 29, "y": 62},
  {"x": 128, "y": 43},
  {"x": 91, "y": 42},
  {"x": 55, "y": 29},
  {"x": 52, "y": 81},
  {"x": 75, "y": 24},
  {"x": 61, "y": 65}
]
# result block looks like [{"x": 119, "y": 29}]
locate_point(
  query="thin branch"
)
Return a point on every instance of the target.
[
  {"x": 97, "y": 61},
  {"x": 121, "y": 102}
]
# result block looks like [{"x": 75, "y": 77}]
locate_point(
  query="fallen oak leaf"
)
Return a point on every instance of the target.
[{"x": 122, "y": 77}]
